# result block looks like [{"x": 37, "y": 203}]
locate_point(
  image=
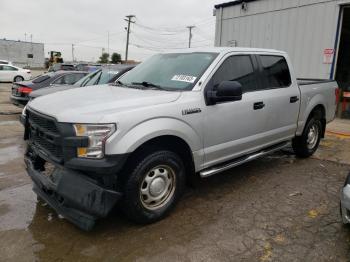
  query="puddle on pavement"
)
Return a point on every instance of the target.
[
  {"x": 17, "y": 207},
  {"x": 10, "y": 153}
]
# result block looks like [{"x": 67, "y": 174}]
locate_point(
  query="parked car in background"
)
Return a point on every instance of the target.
[
  {"x": 200, "y": 111},
  {"x": 64, "y": 67},
  {"x": 102, "y": 76},
  {"x": 5, "y": 62},
  {"x": 81, "y": 66},
  {"x": 345, "y": 201},
  {"x": 11, "y": 73},
  {"x": 21, "y": 90},
  {"x": 92, "y": 68}
]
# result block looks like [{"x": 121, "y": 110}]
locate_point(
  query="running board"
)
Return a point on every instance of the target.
[{"x": 238, "y": 161}]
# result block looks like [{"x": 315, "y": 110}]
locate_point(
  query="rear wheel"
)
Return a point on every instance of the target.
[
  {"x": 154, "y": 186},
  {"x": 18, "y": 79},
  {"x": 305, "y": 145}
]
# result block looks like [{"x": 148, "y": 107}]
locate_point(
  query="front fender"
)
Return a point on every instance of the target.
[{"x": 150, "y": 129}]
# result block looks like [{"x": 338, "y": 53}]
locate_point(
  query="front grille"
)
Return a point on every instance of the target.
[
  {"x": 43, "y": 133},
  {"x": 43, "y": 122}
]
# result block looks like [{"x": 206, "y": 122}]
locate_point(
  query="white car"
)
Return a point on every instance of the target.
[
  {"x": 10, "y": 73},
  {"x": 5, "y": 62}
]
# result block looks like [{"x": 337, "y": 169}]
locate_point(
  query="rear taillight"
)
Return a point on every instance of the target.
[
  {"x": 337, "y": 95},
  {"x": 24, "y": 90}
]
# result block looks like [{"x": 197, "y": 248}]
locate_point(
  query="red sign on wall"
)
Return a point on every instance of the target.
[{"x": 328, "y": 56}]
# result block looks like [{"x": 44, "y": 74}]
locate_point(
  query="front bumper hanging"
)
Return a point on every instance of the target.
[{"x": 72, "y": 194}]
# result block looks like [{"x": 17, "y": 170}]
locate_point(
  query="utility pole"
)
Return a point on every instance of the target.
[
  {"x": 129, "y": 20},
  {"x": 190, "y": 35},
  {"x": 72, "y": 52}
]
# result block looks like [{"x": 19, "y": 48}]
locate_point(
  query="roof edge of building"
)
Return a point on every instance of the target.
[{"x": 232, "y": 3}]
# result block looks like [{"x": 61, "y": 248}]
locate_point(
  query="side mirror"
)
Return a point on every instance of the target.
[{"x": 226, "y": 91}]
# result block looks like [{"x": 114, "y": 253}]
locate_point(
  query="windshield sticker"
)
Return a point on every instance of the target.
[{"x": 184, "y": 78}]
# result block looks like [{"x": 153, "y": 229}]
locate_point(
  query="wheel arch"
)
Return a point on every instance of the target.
[
  {"x": 318, "y": 111},
  {"x": 171, "y": 143},
  {"x": 163, "y": 133},
  {"x": 17, "y": 76}
]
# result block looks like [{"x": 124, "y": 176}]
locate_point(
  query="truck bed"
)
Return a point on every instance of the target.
[{"x": 312, "y": 81}]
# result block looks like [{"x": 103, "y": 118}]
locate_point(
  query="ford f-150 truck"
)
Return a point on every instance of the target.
[{"x": 195, "y": 112}]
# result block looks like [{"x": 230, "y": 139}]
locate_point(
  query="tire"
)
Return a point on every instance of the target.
[
  {"x": 306, "y": 145},
  {"x": 18, "y": 79},
  {"x": 154, "y": 186}
]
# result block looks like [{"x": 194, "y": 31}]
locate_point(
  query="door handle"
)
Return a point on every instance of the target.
[
  {"x": 259, "y": 105},
  {"x": 294, "y": 99}
]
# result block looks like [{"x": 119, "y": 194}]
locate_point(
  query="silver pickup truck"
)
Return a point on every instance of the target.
[{"x": 195, "y": 112}]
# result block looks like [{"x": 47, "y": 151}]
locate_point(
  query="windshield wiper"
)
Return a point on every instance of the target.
[
  {"x": 119, "y": 83},
  {"x": 147, "y": 84}
]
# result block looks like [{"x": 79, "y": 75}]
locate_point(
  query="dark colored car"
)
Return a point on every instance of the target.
[
  {"x": 88, "y": 67},
  {"x": 21, "y": 90},
  {"x": 62, "y": 67},
  {"x": 108, "y": 74}
]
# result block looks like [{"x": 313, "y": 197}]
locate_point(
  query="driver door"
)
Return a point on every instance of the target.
[{"x": 234, "y": 128}]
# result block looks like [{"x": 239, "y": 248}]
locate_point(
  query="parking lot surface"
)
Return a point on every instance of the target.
[{"x": 277, "y": 208}]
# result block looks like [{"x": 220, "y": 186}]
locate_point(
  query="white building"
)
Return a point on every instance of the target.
[
  {"x": 22, "y": 53},
  {"x": 315, "y": 33}
]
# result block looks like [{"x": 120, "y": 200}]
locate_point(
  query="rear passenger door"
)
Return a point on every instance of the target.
[{"x": 280, "y": 96}]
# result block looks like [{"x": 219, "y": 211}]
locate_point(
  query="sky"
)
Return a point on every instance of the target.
[{"x": 160, "y": 25}]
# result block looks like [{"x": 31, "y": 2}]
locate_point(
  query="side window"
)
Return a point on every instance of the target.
[
  {"x": 72, "y": 78},
  {"x": 58, "y": 81},
  {"x": 275, "y": 71},
  {"x": 10, "y": 68},
  {"x": 68, "y": 79},
  {"x": 237, "y": 68},
  {"x": 1, "y": 68}
]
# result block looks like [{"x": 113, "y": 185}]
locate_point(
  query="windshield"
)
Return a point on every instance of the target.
[{"x": 179, "y": 71}]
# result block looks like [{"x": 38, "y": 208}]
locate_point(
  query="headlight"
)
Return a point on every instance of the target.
[{"x": 97, "y": 135}]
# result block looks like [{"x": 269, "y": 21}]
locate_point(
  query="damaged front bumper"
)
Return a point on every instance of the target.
[{"x": 72, "y": 194}]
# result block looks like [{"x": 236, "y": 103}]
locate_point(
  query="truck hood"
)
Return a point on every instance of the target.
[{"x": 92, "y": 104}]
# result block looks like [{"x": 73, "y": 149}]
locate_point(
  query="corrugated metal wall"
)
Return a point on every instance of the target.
[
  {"x": 303, "y": 28},
  {"x": 16, "y": 52}
]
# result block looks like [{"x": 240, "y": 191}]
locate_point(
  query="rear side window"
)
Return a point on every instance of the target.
[
  {"x": 40, "y": 79},
  {"x": 236, "y": 68},
  {"x": 68, "y": 79},
  {"x": 275, "y": 71}
]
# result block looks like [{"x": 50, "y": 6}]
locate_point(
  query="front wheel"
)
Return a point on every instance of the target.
[
  {"x": 153, "y": 187},
  {"x": 305, "y": 145}
]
